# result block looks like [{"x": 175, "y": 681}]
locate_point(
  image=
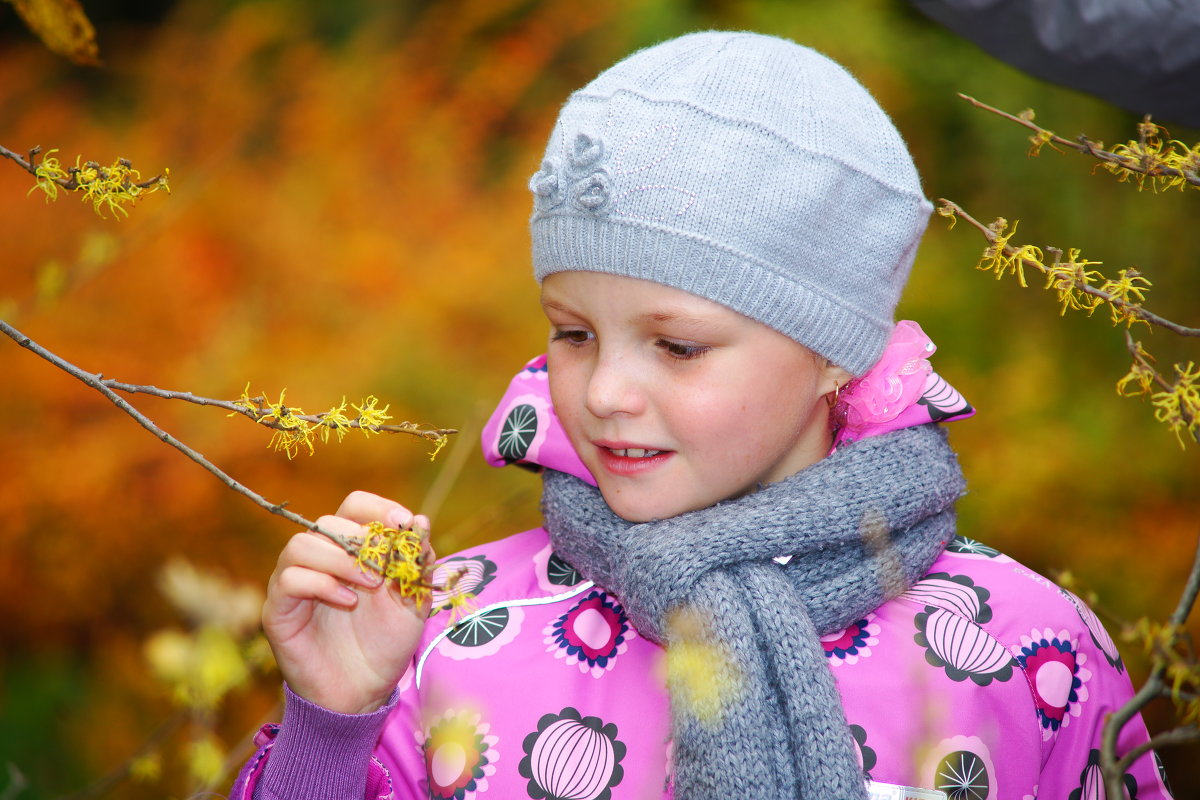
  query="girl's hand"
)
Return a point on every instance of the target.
[{"x": 342, "y": 638}]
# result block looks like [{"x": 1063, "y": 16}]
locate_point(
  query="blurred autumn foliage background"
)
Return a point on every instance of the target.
[{"x": 348, "y": 217}]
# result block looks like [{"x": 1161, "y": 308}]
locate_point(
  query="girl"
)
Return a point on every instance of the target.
[{"x": 748, "y": 582}]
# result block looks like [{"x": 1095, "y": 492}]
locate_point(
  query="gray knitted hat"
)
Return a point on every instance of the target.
[{"x": 743, "y": 168}]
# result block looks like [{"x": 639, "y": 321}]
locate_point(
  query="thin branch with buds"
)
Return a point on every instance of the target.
[
  {"x": 1174, "y": 404},
  {"x": 262, "y": 415},
  {"x": 1154, "y": 687},
  {"x": 948, "y": 208},
  {"x": 72, "y": 182},
  {"x": 96, "y": 382},
  {"x": 1144, "y": 162}
]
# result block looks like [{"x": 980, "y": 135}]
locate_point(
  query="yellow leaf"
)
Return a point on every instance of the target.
[{"x": 63, "y": 27}]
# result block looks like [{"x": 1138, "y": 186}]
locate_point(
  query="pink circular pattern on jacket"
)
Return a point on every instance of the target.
[
  {"x": 592, "y": 634},
  {"x": 460, "y": 754},
  {"x": 1056, "y": 672},
  {"x": 851, "y": 643}
]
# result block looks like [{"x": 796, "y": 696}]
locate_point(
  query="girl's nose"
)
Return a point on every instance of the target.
[{"x": 614, "y": 387}]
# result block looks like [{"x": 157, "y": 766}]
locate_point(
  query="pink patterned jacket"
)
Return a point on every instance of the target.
[{"x": 984, "y": 681}]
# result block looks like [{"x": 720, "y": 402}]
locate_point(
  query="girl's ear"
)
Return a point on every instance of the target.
[{"x": 833, "y": 378}]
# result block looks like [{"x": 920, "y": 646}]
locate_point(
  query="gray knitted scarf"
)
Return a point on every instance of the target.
[{"x": 860, "y": 527}]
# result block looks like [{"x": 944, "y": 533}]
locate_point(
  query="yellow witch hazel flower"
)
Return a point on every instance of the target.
[
  {"x": 1068, "y": 277},
  {"x": 370, "y": 416},
  {"x": 335, "y": 419},
  {"x": 1151, "y": 154},
  {"x": 48, "y": 173},
  {"x": 1140, "y": 377},
  {"x": 293, "y": 429},
  {"x": 146, "y": 768},
  {"x": 1179, "y": 408},
  {"x": 113, "y": 186},
  {"x": 206, "y": 760},
  {"x": 291, "y": 432},
  {"x": 396, "y": 555},
  {"x": 995, "y": 258},
  {"x": 201, "y": 668},
  {"x": 1128, "y": 290},
  {"x": 105, "y": 187},
  {"x": 946, "y": 209}
]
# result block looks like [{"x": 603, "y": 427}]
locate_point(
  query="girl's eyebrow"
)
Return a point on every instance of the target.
[
  {"x": 548, "y": 303},
  {"x": 679, "y": 318},
  {"x": 667, "y": 316}
]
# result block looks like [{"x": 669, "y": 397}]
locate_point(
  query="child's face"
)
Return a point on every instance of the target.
[{"x": 675, "y": 402}]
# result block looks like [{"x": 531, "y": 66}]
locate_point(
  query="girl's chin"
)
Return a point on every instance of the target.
[{"x": 638, "y": 510}]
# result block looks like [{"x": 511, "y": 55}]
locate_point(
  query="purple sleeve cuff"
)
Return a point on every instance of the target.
[{"x": 321, "y": 754}]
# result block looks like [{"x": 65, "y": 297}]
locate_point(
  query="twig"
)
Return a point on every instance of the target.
[
  {"x": 1112, "y": 767},
  {"x": 263, "y": 418},
  {"x": 1091, "y": 148},
  {"x": 439, "y": 490},
  {"x": 1139, "y": 356},
  {"x": 97, "y": 383},
  {"x": 1181, "y": 735},
  {"x": 1132, "y": 308}
]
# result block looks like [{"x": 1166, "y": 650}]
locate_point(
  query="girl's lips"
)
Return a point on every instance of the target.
[{"x": 625, "y": 465}]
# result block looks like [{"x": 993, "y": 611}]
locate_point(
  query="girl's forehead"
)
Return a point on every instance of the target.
[
  {"x": 577, "y": 287},
  {"x": 601, "y": 298}
]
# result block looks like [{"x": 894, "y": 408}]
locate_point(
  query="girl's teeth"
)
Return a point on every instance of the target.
[{"x": 636, "y": 452}]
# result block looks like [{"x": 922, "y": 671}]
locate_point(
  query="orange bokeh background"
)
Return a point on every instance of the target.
[{"x": 348, "y": 217}]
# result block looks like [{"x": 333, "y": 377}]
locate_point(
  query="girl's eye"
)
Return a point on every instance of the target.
[
  {"x": 571, "y": 336},
  {"x": 682, "y": 351}
]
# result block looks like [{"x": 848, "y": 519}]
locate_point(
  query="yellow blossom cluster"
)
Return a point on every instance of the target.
[
  {"x": 1152, "y": 158},
  {"x": 1082, "y": 288},
  {"x": 1140, "y": 379},
  {"x": 221, "y": 651},
  {"x": 295, "y": 430},
  {"x": 1163, "y": 163},
  {"x": 399, "y": 555},
  {"x": 1078, "y": 286},
  {"x": 1178, "y": 407},
  {"x": 110, "y": 187}
]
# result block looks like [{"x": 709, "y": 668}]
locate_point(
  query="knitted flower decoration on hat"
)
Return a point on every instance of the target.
[{"x": 745, "y": 169}]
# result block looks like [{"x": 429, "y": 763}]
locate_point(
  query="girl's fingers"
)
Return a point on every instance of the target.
[
  {"x": 364, "y": 507},
  {"x": 315, "y": 552},
  {"x": 296, "y": 584},
  {"x": 421, "y": 523}
]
